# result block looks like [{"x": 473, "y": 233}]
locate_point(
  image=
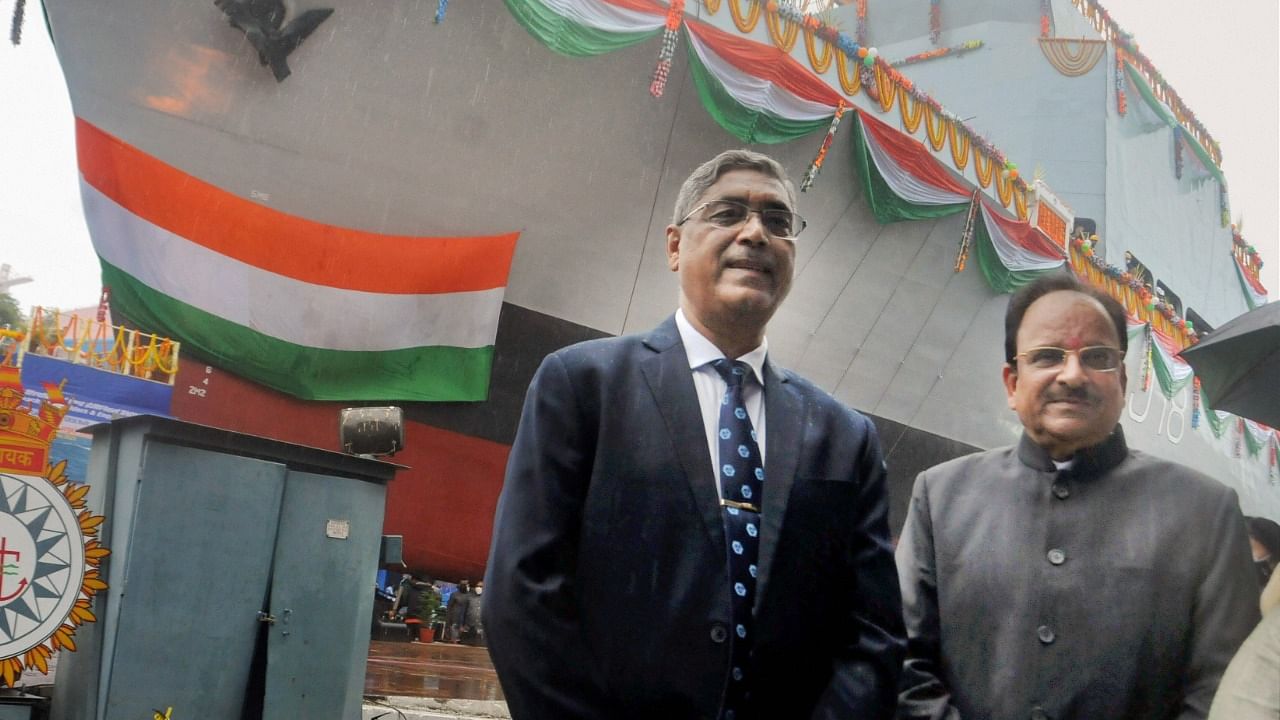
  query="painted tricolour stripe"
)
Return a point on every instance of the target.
[
  {"x": 314, "y": 310},
  {"x": 269, "y": 303}
]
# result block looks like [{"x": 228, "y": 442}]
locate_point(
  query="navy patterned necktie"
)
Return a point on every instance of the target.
[{"x": 741, "y": 480}]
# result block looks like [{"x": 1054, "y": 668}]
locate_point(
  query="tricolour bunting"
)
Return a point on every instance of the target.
[
  {"x": 582, "y": 28},
  {"x": 1255, "y": 295},
  {"x": 904, "y": 181},
  {"x": 314, "y": 310}
]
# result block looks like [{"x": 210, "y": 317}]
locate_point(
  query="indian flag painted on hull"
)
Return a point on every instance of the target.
[{"x": 316, "y": 311}]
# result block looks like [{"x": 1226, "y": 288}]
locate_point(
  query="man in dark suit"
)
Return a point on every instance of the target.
[{"x": 648, "y": 560}]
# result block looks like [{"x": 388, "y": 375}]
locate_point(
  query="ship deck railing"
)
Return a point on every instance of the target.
[{"x": 95, "y": 343}]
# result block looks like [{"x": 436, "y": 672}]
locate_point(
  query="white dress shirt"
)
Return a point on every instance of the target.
[{"x": 710, "y": 387}]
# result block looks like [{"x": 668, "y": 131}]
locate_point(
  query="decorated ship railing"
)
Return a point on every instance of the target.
[{"x": 94, "y": 343}]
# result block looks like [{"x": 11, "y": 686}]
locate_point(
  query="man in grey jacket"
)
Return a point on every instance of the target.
[{"x": 1069, "y": 576}]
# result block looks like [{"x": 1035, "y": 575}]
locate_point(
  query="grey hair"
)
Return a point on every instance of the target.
[{"x": 710, "y": 171}]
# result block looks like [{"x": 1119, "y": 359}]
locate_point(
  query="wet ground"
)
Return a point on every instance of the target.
[{"x": 430, "y": 670}]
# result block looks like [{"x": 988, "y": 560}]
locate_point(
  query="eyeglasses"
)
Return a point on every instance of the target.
[
  {"x": 778, "y": 222},
  {"x": 1100, "y": 358}
]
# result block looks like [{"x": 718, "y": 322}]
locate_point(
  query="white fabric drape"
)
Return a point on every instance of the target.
[
  {"x": 904, "y": 184},
  {"x": 757, "y": 93},
  {"x": 606, "y": 17},
  {"x": 1012, "y": 255}
]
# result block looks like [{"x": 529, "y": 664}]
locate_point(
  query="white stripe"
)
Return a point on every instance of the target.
[
  {"x": 757, "y": 93},
  {"x": 1177, "y": 368},
  {"x": 1012, "y": 255},
  {"x": 1260, "y": 435},
  {"x": 292, "y": 310},
  {"x": 605, "y": 16},
  {"x": 904, "y": 184}
]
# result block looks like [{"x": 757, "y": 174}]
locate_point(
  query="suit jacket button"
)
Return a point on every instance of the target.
[
  {"x": 1061, "y": 490},
  {"x": 719, "y": 633},
  {"x": 1046, "y": 634}
]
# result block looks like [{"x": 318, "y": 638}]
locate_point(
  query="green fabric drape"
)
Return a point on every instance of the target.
[
  {"x": 568, "y": 37},
  {"x": 885, "y": 204},
  {"x": 749, "y": 126},
  {"x": 1000, "y": 278},
  {"x": 1137, "y": 81}
]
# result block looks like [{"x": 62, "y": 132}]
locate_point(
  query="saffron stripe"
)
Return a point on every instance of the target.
[
  {"x": 311, "y": 315},
  {"x": 286, "y": 244}
]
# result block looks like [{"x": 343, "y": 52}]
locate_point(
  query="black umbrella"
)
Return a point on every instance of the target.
[{"x": 1239, "y": 365}]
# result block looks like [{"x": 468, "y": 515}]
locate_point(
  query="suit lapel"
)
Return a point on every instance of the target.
[
  {"x": 784, "y": 431},
  {"x": 669, "y": 379}
]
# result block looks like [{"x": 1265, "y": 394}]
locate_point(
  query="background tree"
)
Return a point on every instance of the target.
[{"x": 10, "y": 313}]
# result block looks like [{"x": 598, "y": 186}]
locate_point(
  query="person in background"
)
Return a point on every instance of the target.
[
  {"x": 473, "y": 625},
  {"x": 1264, "y": 541},
  {"x": 1070, "y": 577},
  {"x": 1250, "y": 688},
  {"x": 455, "y": 612}
]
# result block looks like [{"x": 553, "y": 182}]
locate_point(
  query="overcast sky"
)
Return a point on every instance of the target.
[{"x": 1221, "y": 57}]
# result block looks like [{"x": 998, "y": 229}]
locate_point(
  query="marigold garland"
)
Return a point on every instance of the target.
[
  {"x": 745, "y": 23},
  {"x": 984, "y": 175},
  {"x": 849, "y": 86},
  {"x": 966, "y": 235},
  {"x": 911, "y": 118},
  {"x": 964, "y": 47},
  {"x": 816, "y": 166},
  {"x": 821, "y": 63},
  {"x": 959, "y": 148},
  {"x": 713, "y": 6},
  {"x": 1147, "y": 359},
  {"x": 1123, "y": 41},
  {"x": 884, "y": 86},
  {"x": 1195, "y": 402},
  {"x": 1122, "y": 103},
  {"x": 936, "y": 131},
  {"x": 783, "y": 39},
  {"x": 670, "y": 35},
  {"x": 1020, "y": 204},
  {"x": 1004, "y": 187}
]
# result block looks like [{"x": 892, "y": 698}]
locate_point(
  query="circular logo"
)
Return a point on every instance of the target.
[{"x": 42, "y": 561}]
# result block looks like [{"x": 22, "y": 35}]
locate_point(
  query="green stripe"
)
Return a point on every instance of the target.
[
  {"x": 1244, "y": 284},
  {"x": 885, "y": 204},
  {"x": 1136, "y": 79},
  {"x": 437, "y": 373},
  {"x": 568, "y": 37},
  {"x": 1164, "y": 375},
  {"x": 1217, "y": 425},
  {"x": 744, "y": 123},
  {"x": 1250, "y": 444}
]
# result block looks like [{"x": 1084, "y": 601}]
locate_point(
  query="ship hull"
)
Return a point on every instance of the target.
[{"x": 393, "y": 124}]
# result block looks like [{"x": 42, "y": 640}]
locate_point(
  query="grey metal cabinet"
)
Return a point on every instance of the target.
[{"x": 241, "y": 578}]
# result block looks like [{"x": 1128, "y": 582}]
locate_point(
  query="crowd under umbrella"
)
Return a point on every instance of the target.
[{"x": 1239, "y": 365}]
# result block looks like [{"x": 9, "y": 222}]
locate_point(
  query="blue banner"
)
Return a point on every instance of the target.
[{"x": 95, "y": 395}]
